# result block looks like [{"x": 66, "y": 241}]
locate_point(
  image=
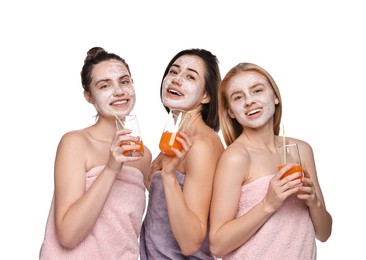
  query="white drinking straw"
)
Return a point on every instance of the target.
[{"x": 113, "y": 113}]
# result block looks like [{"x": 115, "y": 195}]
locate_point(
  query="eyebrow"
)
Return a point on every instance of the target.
[
  {"x": 175, "y": 65},
  {"x": 235, "y": 93},
  {"x": 251, "y": 87},
  {"x": 256, "y": 85},
  {"x": 107, "y": 79}
]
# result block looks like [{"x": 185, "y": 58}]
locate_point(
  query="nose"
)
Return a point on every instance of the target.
[
  {"x": 118, "y": 91},
  {"x": 177, "y": 79},
  {"x": 248, "y": 100}
]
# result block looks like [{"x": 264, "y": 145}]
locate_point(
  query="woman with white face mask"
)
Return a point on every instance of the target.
[
  {"x": 99, "y": 193},
  {"x": 254, "y": 213},
  {"x": 176, "y": 223}
]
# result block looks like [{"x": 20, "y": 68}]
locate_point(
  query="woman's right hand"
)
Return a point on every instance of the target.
[
  {"x": 170, "y": 164},
  {"x": 121, "y": 143},
  {"x": 279, "y": 190},
  {"x": 167, "y": 163}
]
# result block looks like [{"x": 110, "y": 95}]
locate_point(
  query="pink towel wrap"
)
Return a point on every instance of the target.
[
  {"x": 115, "y": 234},
  {"x": 288, "y": 234}
]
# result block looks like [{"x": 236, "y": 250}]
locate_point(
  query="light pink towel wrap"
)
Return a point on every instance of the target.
[
  {"x": 115, "y": 234},
  {"x": 288, "y": 234}
]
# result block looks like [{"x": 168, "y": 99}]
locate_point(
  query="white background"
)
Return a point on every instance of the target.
[{"x": 315, "y": 50}]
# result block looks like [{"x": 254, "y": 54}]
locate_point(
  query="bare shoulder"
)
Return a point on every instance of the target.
[
  {"x": 207, "y": 143},
  {"x": 234, "y": 164},
  {"x": 237, "y": 154},
  {"x": 304, "y": 146},
  {"x": 74, "y": 139},
  {"x": 204, "y": 154}
]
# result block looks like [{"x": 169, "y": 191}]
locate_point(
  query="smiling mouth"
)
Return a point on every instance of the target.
[
  {"x": 119, "y": 102},
  {"x": 253, "y": 112},
  {"x": 174, "y": 92}
]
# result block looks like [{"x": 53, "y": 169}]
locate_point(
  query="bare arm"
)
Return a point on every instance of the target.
[
  {"x": 228, "y": 232},
  {"x": 188, "y": 209},
  {"x": 77, "y": 210},
  {"x": 312, "y": 195}
]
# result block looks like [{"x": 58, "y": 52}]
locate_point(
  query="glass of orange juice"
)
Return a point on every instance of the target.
[
  {"x": 130, "y": 122},
  {"x": 177, "y": 121},
  {"x": 286, "y": 154}
]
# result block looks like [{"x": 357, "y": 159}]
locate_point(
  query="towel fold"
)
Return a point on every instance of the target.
[
  {"x": 287, "y": 234},
  {"x": 115, "y": 234}
]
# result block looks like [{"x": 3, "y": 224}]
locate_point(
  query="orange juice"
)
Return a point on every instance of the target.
[
  {"x": 138, "y": 152},
  {"x": 295, "y": 168},
  {"x": 165, "y": 145}
]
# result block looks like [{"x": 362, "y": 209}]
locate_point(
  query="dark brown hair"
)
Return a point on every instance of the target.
[
  {"x": 94, "y": 56},
  {"x": 209, "y": 111}
]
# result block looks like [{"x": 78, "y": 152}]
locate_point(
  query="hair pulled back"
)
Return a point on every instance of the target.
[{"x": 95, "y": 56}]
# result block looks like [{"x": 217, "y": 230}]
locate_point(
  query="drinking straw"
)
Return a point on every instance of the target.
[
  {"x": 172, "y": 137},
  {"x": 113, "y": 113},
  {"x": 284, "y": 143},
  {"x": 184, "y": 119}
]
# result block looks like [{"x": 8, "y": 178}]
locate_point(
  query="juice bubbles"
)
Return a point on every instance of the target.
[
  {"x": 167, "y": 141},
  {"x": 295, "y": 168}
]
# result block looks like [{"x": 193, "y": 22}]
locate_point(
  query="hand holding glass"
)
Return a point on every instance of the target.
[
  {"x": 287, "y": 154},
  {"x": 130, "y": 122},
  {"x": 177, "y": 121}
]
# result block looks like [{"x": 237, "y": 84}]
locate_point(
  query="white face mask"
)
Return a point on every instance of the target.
[
  {"x": 184, "y": 85},
  {"x": 251, "y": 99},
  {"x": 112, "y": 88}
]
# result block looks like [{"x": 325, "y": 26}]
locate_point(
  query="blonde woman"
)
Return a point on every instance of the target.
[{"x": 254, "y": 213}]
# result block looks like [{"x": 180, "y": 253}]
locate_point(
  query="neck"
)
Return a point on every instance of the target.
[
  {"x": 195, "y": 122},
  {"x": 259, "y": 137},
  {"x": 104, "y": 129}
]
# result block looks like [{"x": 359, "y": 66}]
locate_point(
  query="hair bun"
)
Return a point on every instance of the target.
[{"x": 93, "y": 52}]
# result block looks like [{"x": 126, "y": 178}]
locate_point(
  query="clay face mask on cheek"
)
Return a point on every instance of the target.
[
  {"x": 189, "y": 98},
  {"x": 101, "y": 100}
]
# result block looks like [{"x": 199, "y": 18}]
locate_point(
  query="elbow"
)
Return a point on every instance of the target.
[
  {"x": 215, "y": 249},
  {"x": 321, "y": 239},
  {"x": 190, "y": 246},
  {"x": 67, "y": 241},
  {"x": 190, "y": 249},
  {"x": 324, "y": 237},
  {"x": 217, "y": 253},
  {"x": 325, "y": 234}
]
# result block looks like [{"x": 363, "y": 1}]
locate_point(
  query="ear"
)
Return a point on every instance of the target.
[
  {"x": 88, "y": 97},
  {"x": 276, "y": 101},
  {"x": 206, "y": 98}
]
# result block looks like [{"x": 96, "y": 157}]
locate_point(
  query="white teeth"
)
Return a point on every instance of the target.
[
  {"x": 119, "y": 102},
  {"x": 174, "y": 92},
  {"x": 253, "y": 112}
]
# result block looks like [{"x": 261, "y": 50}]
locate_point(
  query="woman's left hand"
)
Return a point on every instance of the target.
[{"x": 307, "y": 190}]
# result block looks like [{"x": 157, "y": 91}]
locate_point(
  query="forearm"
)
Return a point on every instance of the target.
[
  {"x": 322, "y": 221},
  {"x": 238, "y": 231},
  {"x": 80, "y": 218},
  {"x": 187, "y": 228}
]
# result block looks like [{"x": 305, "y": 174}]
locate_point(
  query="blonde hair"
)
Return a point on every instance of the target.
[{"x": 230, "y": 128}]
